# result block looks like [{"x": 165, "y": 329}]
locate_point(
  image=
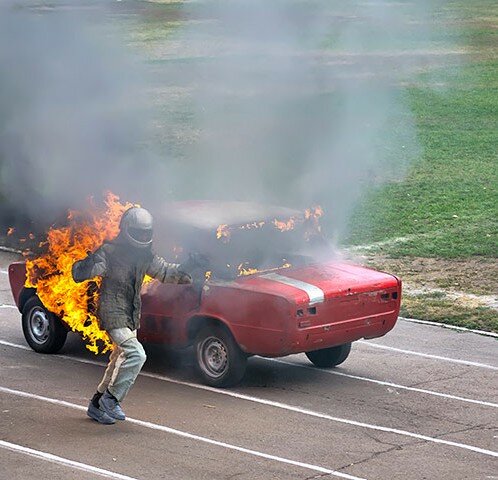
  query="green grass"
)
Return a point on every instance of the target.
[
  {"x": 447, "y": 205},
  {"x": 436, "y": 308}
]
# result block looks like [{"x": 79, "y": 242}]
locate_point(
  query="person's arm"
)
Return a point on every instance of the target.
[
  {"x": 166, "y": 272},
  {"x": 93, "y": 265}
]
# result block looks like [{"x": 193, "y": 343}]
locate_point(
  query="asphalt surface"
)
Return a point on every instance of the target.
[{"x": 420, "y": 403}]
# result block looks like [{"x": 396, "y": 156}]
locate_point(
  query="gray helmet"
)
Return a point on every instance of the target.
[{"x": 136, "y": 227}]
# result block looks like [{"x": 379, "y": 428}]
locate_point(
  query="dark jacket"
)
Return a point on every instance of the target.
[{"x": 123, "y": 269}]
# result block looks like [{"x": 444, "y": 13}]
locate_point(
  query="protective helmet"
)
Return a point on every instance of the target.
[{"x": 136, "y": 227}]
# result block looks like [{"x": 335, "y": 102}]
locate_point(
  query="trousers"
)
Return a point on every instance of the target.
[{"x": 125, "y": 362}]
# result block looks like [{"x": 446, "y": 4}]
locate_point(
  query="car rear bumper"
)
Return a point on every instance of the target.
[{"x": 339, "y": 333}]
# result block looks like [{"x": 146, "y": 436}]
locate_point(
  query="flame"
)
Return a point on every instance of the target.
[
  {"x": 249, "y": 226},
  {"x": 285, "y": 226},
  {"x": 10, "y": 231},
  {"x": 147, "y": 280},
  {"x": 313, "y": 213},
  {"x": 223, "y": 233},
  {"x": 312, "y": 216},
  {"x": 50, "y": 273},
  {"x": 244, "y": 269}
]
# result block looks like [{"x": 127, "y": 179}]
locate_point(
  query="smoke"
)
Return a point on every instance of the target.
[
  {"x": 304, "y": 102},
  {"x": 284, "y": 101},
  {"x": 73, "y": 117}
]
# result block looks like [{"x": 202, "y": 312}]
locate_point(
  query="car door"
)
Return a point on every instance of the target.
[{"x": 166, "y": 309}]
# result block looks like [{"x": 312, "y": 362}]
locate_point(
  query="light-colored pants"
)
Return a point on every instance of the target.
[{"x": 125, "y": 362}]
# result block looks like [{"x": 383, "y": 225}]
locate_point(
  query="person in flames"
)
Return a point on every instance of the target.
[{"x": 122, "y": 264}]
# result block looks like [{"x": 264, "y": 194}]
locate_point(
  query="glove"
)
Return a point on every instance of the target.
[
  {"x": 195, "y": 261},
  {"x": 184, "y": 278}
]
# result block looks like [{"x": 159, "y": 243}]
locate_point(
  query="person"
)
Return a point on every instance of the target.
[{"x": 122, "y": 264}]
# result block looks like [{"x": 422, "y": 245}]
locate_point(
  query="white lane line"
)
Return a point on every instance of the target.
[
  {"x": 428, "y": 355},
  {"x": 62, "y": 461},
  {"x": 4, "y": 305},
  {"x": 315, "y": 369},
  {"x": 451, "y": 327},
  {"x": 10, "y": 250},
  {"x": 5, "y": 272},
  {"x": 163, "y": 428},
  {"x": 15, "y": 345},
  {"x": 387, "y": 384},
  {"x": 293, "y": 408}
]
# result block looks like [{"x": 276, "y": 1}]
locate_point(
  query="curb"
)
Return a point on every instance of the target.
[{"x": 451, "y": 327}]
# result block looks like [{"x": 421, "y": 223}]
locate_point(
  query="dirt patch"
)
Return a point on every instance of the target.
[{"x": 476, "y": 275}]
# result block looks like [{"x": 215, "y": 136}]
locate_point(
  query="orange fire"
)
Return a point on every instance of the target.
[
  {"x": 223, "y": 233},
  {"x": 50, "y": 273},
  {"x": 244, "y": 269},
  {"x": 10, "y": 231},
  {"x": 285, "y": 226},
  {"x": 312, "y": 216},
  {"x": 250, "y": 226},
  {"x": 313, "y": 213}
]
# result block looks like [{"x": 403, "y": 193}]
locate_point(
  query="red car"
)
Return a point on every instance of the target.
[{"x": 273, "y": 289}]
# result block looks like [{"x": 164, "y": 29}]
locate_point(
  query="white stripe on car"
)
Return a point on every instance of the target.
[{"x": 315, "y": 294}]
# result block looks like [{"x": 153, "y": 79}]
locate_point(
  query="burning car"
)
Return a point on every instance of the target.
[{"x": 269, "y": 285}]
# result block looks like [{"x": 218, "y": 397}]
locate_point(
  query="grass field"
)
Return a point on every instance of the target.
[{"x": 447, "y": 206}]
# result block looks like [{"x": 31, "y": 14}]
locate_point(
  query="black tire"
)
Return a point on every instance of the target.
[
  {"x": 219, "y": 361},
  {"x": 42, "y": 329},
  {"x": 329, "y": 357}
]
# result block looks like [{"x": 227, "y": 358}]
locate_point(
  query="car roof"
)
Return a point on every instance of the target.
[{"x": 209, "y": 214}]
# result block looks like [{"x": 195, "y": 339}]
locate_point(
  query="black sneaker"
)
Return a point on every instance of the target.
[
  {"x": 99, "y": 415},
  {"x": 111, "y": 406}
]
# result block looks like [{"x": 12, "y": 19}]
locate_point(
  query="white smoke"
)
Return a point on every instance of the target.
[
  {"x": 73, "y": 121},
  {"x": 287, "y": 101}
]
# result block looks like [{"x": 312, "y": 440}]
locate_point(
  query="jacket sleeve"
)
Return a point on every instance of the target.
[
  {"x": 166, "y": 272},
  {"x": 95, "y": 264}
]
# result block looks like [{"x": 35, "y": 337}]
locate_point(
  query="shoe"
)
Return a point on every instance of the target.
[
  {"x": 111, "y": 406},
  {"x": 99, "y": 415}
]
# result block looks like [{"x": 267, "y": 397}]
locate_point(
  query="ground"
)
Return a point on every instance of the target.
[{"x": 418, "y": 403}]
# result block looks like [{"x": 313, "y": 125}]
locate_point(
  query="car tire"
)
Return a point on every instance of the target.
[
  {"x": 43, "y": 331},
  {"x": 219, "y": 361},
  {"x": 329, "y": 357}
]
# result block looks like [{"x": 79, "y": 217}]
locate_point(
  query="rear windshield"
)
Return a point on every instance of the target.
[{"x": 235, "y": 251}]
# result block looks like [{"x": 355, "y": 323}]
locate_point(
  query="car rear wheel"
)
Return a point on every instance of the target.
[
  {"x": 42, "y": 329},
  {"x": 219, "y": 360},
  {"x": 329, "y": 357}
]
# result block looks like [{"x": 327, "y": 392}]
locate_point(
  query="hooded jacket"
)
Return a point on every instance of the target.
[{"x": 123, "y": 268}]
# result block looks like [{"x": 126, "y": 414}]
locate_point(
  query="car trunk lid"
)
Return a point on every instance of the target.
[{"x": 330, "y": 293}]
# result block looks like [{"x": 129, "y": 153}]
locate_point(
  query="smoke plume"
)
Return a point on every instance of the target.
[
  {"x": 298, "y": 103},
  {"x": 72, "y": 115},
  {"x": 287, "y": 102}
]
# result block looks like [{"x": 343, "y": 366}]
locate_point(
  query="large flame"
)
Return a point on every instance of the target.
[{"x": 50, "y": 273}]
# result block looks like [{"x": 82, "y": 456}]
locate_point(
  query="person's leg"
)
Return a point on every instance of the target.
[
  {"x": 94, "y": 411},
  {"x": 104, "y": 383},
  {"x": 127, "y": 366}
]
